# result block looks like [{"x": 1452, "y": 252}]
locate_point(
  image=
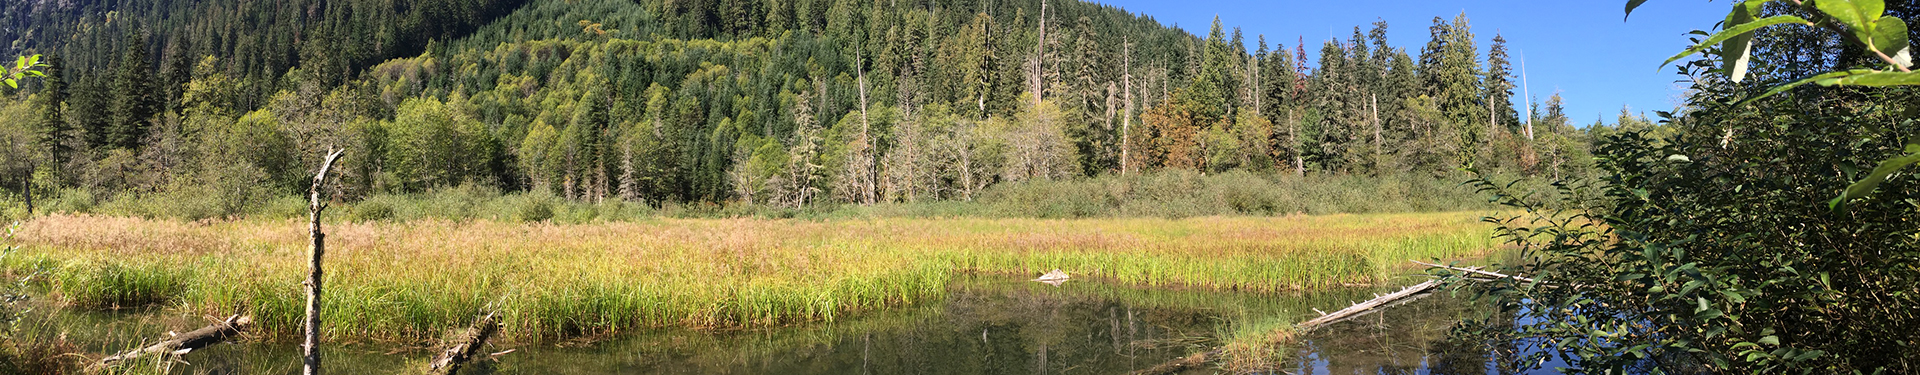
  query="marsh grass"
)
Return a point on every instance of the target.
[
  {"x": 410, "y": 281},
  {"x": 114, "y": 285}
]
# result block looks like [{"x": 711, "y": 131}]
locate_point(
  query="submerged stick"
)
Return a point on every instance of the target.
[
  {"x": 466, "y": 347},
  {"x": 1183, "y": 364},
  {"x": 182, "y": 343}
]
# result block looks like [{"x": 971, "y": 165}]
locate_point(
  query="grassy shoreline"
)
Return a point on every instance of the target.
[{"x": 407, "y": 282}]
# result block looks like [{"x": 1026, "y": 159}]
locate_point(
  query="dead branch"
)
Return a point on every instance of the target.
[
  {"x": 181, "y": 344},
  {"x": 466, "y": 347}
]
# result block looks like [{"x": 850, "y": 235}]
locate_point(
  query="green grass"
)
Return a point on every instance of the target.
[
  {"x": 408, "y": 281},
  {"x": 113, "y": 285}
]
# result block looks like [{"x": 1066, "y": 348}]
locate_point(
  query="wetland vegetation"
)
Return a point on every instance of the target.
[
  {"x": 406, "y": 282},
  {"x": 830, "y": 186}
]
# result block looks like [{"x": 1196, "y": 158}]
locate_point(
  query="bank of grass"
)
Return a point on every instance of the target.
[
  {"x": 1160, "y": 194},
  {"x": 409, "y": 281}
]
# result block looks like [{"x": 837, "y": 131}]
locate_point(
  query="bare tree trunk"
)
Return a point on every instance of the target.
[
  {"x": 1493, "y": 122},
  {"x": 1376, "y": 124},
  {"x": 311, "y": 347},
  {"x": 1126, "y": 119},
  {"x": 864, "y": 161},
  {"x": 26, "y": 189},
  {"x": 1293, "y": 139},
  {"x": 1529, "y": 93},
  {"x": 1035, "y": 81}
]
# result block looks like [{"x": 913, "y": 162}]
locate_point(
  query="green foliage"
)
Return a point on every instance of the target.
[
  {"x": 134, "y": 101},
  {"x": 1177, "y": 194},
  {"x": 1708, "y": 249},
  {"x": 692, "y": 104},
  {"x": 24, "y": 66},
  {"x": 1861, "y": 23}
]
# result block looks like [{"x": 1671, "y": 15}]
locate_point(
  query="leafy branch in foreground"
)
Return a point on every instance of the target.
[
  {"x": 1863, "y": 23},
  {"x": 24, "y": 66}
]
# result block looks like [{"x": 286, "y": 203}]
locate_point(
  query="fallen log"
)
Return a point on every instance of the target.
[
  {"x": 186, "y": 342},
  {"x": 1477, "y": 271},
  {"x": 466, "y": 346},
  {"x": 1363, "y": 307},
  {"x": 1404, "y": 295}
]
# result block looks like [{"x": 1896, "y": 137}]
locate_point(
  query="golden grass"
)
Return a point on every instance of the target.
[{"x": 409, "y": 281}]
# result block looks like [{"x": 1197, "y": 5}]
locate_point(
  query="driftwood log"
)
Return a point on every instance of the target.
[
  {"x": 186, "y": 342},
  {"x": 1477, "y": 271},
  {"x": 1404, "y": 295},
  {"x": 1362, "y": 308},
  {"x": 465, "y": 347}
]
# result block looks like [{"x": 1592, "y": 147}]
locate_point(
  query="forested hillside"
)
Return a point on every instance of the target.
[{"x": 767, "y": 102}]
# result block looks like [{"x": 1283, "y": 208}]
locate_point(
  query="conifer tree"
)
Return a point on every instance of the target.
[
  {"x": 1450, "y": 71},
  {"x": 1499, "y": 84},
  {"x": 55, "y": 133},
  {"x": 134, "y": 98},
  {"x": 1212, "y": 93}
]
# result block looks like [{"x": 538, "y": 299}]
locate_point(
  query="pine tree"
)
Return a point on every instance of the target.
[
  {"x": 1499, "y": 84},
  {"x": 1450, "y": 71},
  {"x": 1212, "y": 93},
  {"x": 55, "y": 133},
  {"x": 135, "y": 101}
]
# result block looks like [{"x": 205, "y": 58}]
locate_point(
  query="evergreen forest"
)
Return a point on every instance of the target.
[{"x": 230, "y": 104}]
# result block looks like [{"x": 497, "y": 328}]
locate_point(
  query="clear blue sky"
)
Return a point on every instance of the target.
[{"x": 1580, "y": 48}]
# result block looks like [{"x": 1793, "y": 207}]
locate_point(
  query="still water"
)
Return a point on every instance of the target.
[{"x": 986, "y": 325}]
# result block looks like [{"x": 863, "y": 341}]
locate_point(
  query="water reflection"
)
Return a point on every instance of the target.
[
  {"x": 1417, "y": 337},
  {"x": 987, "y": 325}
]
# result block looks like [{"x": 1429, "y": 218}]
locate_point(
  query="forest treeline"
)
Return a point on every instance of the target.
[{"x": 769, "y": 102}]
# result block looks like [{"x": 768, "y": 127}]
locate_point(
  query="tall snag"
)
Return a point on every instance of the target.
[{"x": 310, "y": 349}]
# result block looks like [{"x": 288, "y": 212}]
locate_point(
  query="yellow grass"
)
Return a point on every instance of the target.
[{"x": 410, "y": 281}]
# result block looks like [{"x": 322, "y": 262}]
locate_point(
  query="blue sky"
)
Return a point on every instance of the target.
[{"x": 1580, "y": 48}]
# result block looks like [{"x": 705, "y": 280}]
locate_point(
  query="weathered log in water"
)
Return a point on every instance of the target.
[
  {"x": 1407, "y": 294},
  {"x": 1477, "y": 271},
  {"x": 187, "y": 342},
  {"x": 1363, "y": 307},
  {"x": 465, "y": 347}
]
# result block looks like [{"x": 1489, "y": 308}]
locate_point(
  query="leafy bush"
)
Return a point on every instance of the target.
[
  {"x": 1716, "y": 250},
  {"x": 1177, "y": 193}
]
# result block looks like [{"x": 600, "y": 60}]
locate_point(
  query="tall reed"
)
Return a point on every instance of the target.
[{"x": 410, "y": 281}]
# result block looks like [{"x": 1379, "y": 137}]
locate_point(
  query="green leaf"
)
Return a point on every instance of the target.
[
  {"x": 1733, "y": 31},
  {"x": 1874, "y": 78},
  {"x": 1630, "y": 5},
  {"x": 1736, "y": 51},
  {"x": 1703, "y": 304},
  {"x": 1864, "y": 187},
  {"x": 1790, "y": 86},
  {"x": 1890, "y": 37},
  {"x": 1770, "y": 340},
  {"x": 1857, "y": 16}
]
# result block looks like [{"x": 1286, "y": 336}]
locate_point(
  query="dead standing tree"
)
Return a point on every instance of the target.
[{"x": 310, "y": 349}]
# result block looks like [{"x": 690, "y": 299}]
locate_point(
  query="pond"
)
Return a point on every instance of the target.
[{"x": 986, "y": 325}]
